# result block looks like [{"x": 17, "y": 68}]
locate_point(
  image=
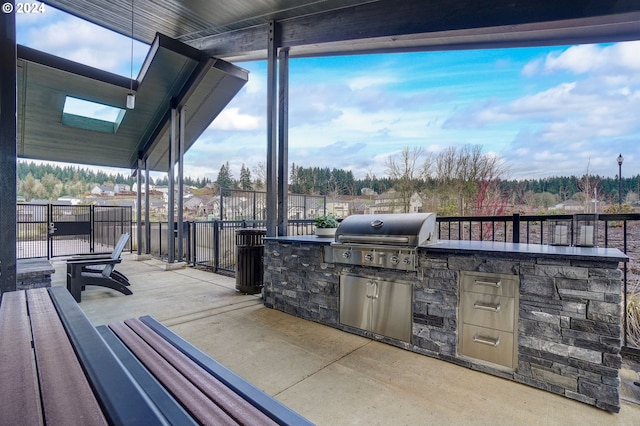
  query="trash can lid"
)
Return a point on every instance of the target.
[{"x": 251, "y": 231}]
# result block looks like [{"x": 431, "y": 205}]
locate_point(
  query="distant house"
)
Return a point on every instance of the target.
[
  {"x": 391, "y": 202},
  {"x": 121, "y": 187},
  {"x": 103, "y": 191},
  {"x": 570, "y": 206},
  {"x": 338, "y": 207},
  {"x": 68, "y": 200}
]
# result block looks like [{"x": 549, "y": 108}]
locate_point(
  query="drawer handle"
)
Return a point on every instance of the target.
[
  {"x": 487, "y": 307},
  {"x": 489, "y": 283},
  {"x": 487, "y": 340}
]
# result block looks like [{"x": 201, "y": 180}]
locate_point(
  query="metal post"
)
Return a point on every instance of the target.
[
  {"x": 139, "y": 206},
  {"x": 620, "y": 159},
  {"x": 516, "y": 228},
  {"x": 8, "y": 150},
  {"x": 180, "y": 141},
  {"x": 283, "y": 143},
  {"x": 272, "y": 139},
  {"x": 147, "y": 214},
  {"x": 171, "y": 242}
]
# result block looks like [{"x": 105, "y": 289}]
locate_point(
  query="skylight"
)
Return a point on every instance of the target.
[{"x": 91, "y": 115}]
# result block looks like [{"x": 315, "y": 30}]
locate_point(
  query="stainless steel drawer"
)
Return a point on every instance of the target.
[
  {"x": 486, "y": 344},
  {"x": 499, "y": 285},
  {"x": 487, "y": 310}
]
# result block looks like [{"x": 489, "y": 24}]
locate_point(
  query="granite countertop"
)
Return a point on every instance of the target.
[
  {"x": 533, "y": 250},
  {"x": 309, "y": 239}
]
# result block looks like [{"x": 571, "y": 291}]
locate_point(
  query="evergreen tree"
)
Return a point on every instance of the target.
[
  {"x": 224, "y": 180},
  {"x": 245, "y": 178}
]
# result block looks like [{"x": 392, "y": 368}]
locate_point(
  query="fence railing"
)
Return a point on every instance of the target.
[
  {"x": 212, "y": 244},
  {"x": 52, "y": 230},
  {"x": 619, "y": 231}
]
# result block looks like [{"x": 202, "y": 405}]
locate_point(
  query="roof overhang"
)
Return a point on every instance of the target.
[
  {"x": 240, "y": 31},
  {"x": 173, "y": 75}
]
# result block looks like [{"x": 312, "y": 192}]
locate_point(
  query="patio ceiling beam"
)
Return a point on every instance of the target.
[{"x": 435, "y": 25}]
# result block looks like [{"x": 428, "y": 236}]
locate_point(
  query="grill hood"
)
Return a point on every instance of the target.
[{"x": 402, "y": 229}]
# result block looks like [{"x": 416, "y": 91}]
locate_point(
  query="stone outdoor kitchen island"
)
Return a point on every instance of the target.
[{"x": 555, "y": 313}]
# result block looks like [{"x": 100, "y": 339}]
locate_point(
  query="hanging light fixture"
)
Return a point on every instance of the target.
[{"x": 131, "y": 97}]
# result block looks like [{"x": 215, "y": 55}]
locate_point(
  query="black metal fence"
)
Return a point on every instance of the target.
[
  {"x": 621, "y": 231},
  {"x": 212, "y": 244},
  {"x": 53, "y": 230},
  {"x": 237, "y": 204}
]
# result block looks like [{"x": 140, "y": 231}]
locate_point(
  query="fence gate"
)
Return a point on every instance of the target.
[
  {"x": 69, "y": 230},
  {"x": 53, "y": 230}
]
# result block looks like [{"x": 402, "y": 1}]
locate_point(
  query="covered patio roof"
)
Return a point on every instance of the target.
[
  {"x": 239, "y": 30},
  {"x": 173, "y": 75},
  {"x": 257, "y": 29}
]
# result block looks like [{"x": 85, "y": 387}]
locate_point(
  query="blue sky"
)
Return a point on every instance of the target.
[{"x": 547, "y": 111}]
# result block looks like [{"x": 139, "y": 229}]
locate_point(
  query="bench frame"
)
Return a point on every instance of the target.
[{"x": 125, "y": 390}]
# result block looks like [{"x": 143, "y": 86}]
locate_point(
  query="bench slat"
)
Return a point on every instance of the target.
[
  {"x": 169, "y": 407},
  {"x": 232, "y": 403},
  {"x": 19, "y": 392},
  {"x": 122, "y": 400},
  {"x": 67, "y": 397},
  {"x": 270, "y": 406},
  {"x": 201, "y": 407}
]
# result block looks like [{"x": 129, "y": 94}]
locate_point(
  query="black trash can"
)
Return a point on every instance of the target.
[{"x": 249, "y": 260}]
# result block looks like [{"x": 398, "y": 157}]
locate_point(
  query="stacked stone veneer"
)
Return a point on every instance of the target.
[
  {"x": 569, "y": 319},
  {"x": 33, "y": 273},
  {"x": 299, "y": 282},
  {"x": 569, "y": 326}
]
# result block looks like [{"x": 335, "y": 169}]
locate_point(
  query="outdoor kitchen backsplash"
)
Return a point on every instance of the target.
[{"x": 569, "y": 316}]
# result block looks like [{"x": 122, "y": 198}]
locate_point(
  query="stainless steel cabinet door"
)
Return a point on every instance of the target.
[
  {"x": 381, "y": 306},
  {"x": 355, "y": 305},
  {"x": 392, "y": 310}
]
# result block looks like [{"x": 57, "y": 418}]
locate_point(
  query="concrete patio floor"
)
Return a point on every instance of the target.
[{"x": 329, "y": 376}]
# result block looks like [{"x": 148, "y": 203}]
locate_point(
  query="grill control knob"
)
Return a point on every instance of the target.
[
  {"x": 346, "y": 254},
  {"x": 395, "y": 260},
  {"x": 368, "y": 257},
  {"x": 406, "y": 260}
]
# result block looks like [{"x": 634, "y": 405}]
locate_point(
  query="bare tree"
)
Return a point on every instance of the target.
[
  {"x": 406, "y": 169},
  {"x": 470, "y": 179},
  {"x": 590, "y": 188},
  {"x": 260, "y": 173}
]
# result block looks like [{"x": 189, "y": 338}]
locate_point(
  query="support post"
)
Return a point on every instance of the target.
[
  {"x": 181, "y": 120},
  {"x": 272, "y": 140},
  {"x": 283, "y": 142},
  {"x": 139, "y": 206},
  {"x": 171, "y": 241},
  {"x": 516, "y": 228},
  {"x": 8, "y": 150},
  {"x": 147, "y": 212}
]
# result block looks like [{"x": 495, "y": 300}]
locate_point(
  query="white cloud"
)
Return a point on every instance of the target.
[
  {"x": 594, "y": 58},
  {"x": 233, "y": 119},
  {"x": 367, "y": 81},
  {"x": 80, "y": 41}
]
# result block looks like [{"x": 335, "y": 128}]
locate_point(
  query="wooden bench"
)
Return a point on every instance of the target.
[{"x": 57, "y": 368}]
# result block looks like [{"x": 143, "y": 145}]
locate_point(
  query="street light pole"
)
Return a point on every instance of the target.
[{"x": 620, "y": 159}]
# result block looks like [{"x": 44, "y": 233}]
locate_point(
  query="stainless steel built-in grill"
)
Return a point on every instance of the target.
[
  {"x": 376, "y": 305},
  {"x": 383, "y": 240}
]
